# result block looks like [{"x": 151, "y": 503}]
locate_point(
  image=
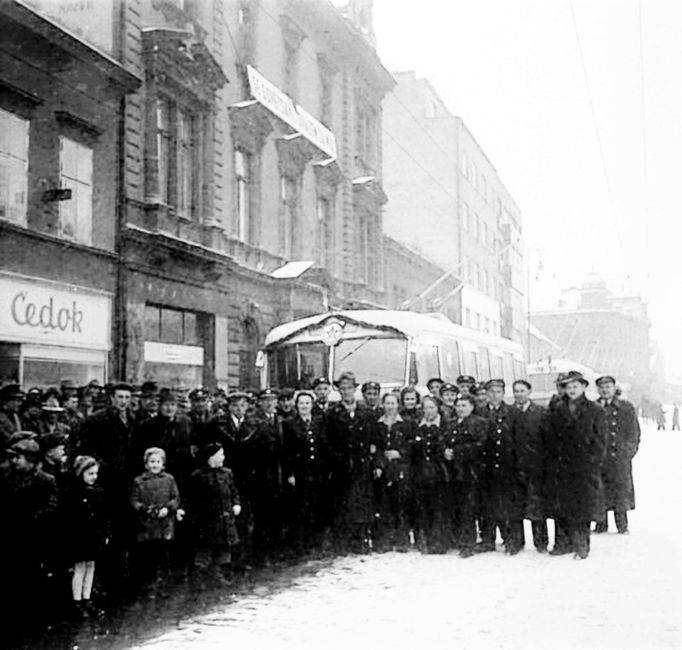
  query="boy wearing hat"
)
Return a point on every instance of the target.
[
  {"x": 213, "y": 505},
  {"x": 577, "y": 435},
  {"x": 622, "y": 445}
]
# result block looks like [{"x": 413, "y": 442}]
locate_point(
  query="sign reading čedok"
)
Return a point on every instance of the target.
[
  {"x": 36, "y": 312},
  {"x": 287, "y": 110}
]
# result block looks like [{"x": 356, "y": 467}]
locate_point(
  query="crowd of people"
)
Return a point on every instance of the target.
[{"x": 119, "y": 487}]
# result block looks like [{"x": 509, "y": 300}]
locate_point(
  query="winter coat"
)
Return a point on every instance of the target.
[
  {"x": 427, "y": 454},
  {"x": 151, "y": 492},
  {"x": 622, "y": 444},
  {"x": 85, "y": 518},
  {"x": 29, "y": 502},
  {"x": 356, "y": 454},
  {"x": 531, "y": 458},
  {"x": 501, "y": 492},
  {"x": 305, "y": 450},
  {"x": 223, "y": 430},
  {"x": 397, "y": 437},
  {"x": 467, "y": 439},
  {"x": 576, "y": 444},
  {"x": 263, "y": 456},
  {"x": 212, "y": 494}
]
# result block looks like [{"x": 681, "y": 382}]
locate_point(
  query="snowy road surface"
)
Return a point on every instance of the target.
[{"x": 628, "y": 594}]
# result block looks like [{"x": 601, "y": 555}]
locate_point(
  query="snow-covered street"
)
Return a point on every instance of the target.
[{"x": 626, "y": 595}]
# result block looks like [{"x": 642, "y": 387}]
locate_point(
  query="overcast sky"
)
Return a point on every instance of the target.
[{"x": 593, "y": 162}]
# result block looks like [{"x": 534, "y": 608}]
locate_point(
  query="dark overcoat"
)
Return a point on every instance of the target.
[
  {"x": 84, "y": 513},
  {"x": 355, "y": 456},
  {"x": 576, "y": 444},
  {"x": 467, "y": 438},
  {"x": 530, "y": 452},
  {"x": 212, "y": 494},
  {"x": 622, "y": 444},
  {"x": 500, "y": 485}
]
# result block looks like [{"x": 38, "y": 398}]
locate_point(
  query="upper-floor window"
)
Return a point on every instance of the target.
[
  {"x": 325, "y": 231},
  {"x": 13, "y": 166},
  {"x": 169, "y": 325},
  {"x": 464, "y": 164},
  {"x": 466, "y": 217},
  {"x": 477, "y": 227},
  {"x": 75, "y": 174},
  {"x": 288, "y": 193},
  {"x": 366, "y": 135},
  {"x": 474, "y": 176},
  {"x": 243, "y": 178},
  {"x": 177, "y": 144}
]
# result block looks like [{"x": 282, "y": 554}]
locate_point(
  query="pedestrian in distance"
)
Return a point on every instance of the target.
[{"x": 676, "y": 417}]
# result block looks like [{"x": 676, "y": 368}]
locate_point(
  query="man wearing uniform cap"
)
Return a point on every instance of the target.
[
  {"x": 371, "y": 395},
  {"x": 465, "y": 383},
  {"x": 576, "y": 442},
  {"x": 285, "y": 403},
  {"x": 480, "y": 395},
  {"x": 621, "y": 447},
  {"x": 199, "y": 415},
  {"x": 149, "y": 402},
  {"x": 500, "y": 506},
  {"x": 448, "y": 395},
  {"x": 321, "y": 388},
  {"x": 263, "y": 449}
]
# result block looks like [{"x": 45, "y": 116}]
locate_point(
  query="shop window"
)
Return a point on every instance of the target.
[
  {"x": 168, "y": 325},
  {"x": 75, "y": 174},
  {"x": 243, "y": 181},
  {"x": 13, "y": 167}
]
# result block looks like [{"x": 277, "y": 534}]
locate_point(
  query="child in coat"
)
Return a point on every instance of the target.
[
  {"x": 213, "y": 505},
  {"x": 155, "y": 499},
  {"x": 87, "y": 525}
]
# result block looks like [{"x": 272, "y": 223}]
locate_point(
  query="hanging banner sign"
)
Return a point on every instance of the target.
[{"x": 287, "y": 110}]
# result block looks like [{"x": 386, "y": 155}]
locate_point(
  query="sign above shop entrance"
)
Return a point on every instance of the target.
[
  {"x": 35, "y": 311},
  {"x": 287, "y": 110}
]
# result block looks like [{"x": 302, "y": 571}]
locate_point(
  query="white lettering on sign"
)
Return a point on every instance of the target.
[
  {"x": 289, "y": 111},
  {"x": 39, "y": 312}
]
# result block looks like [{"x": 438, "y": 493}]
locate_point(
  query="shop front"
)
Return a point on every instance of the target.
[{"x": 51, "y": 331}]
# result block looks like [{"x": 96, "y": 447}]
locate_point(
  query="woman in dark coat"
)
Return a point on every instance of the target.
[
  {"x": 395, "y": 435},
  {"x": 429, "y": 478},
  {"x": 576, "y": 444},
  {"x": 305, "y": 470}
]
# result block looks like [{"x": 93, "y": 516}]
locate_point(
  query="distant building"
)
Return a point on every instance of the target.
[
  {"x": 408, "y": 275},
  {"x": 447, "y": 202},
  {"x": 605, "y": 332}
]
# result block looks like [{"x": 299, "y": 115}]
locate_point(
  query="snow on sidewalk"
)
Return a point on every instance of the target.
[{"x": 626, "y": 595}]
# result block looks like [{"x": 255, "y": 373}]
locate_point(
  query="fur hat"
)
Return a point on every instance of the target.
[{"x": 83, "y": 463}]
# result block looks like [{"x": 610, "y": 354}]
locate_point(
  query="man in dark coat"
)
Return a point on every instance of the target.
[
  {"x": 107, "y": 435},
  {"x": 530, "y": 454},
  {"x": 353, "y": 449},
  {"x": 576, "y": 443},
  {"x": 500, "y": 503},
  {"x": 465, "y": 441},
  {"x": 321, "y": 388},
  {"x": 199, "y": 415},
  {"x": 622, "y": 444},
  {"x": 263, "y": 452}
]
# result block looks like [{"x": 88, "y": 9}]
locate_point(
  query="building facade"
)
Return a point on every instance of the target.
[
  {"x": 60, "y": 131},
  {"x": 605, "y": 332},
  {"x": 229, "y": 139},
  {"x": 448, "y": 203}
]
